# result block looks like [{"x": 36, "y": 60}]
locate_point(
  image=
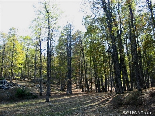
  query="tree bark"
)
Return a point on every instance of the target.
[
  {"x": 12, "y": 62},
  {"x": 35, "y": 66},
  {"x": 48, "y": 59},
  {"x": 115, "y": 60},
  {"x": 3, "y": 53},
  {"x": 134, "y": 50},
  {"x": 40, "y": 67},
  {"x": 85, "y": 69},
  {"x": 69, "y": 82},
  {"x": 149, "y": 2}
]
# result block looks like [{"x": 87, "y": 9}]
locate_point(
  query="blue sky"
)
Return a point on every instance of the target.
[{"x": 20, "y": 13}]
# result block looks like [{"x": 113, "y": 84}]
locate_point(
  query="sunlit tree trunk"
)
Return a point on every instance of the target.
[{"x": 149, "y": 2}]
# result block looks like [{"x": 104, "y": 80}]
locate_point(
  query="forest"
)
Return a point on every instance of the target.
[{"x": 115, "y": 55}]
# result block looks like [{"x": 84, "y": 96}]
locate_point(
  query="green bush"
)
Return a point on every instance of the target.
[
  {"x": 16, "y": 93},
  {"x": 24, "y": 93},
  {"x": 20, "y": 93}
]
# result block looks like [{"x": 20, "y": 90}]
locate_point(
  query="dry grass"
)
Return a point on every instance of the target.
[
  {"x": 61, "y": 105},
  {"x": 77, "y": 104}
]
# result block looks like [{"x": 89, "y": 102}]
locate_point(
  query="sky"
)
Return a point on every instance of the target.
[{"x": 20, "y": 13}]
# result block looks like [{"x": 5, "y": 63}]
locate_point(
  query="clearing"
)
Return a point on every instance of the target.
[{"x": 78, "y": 104}]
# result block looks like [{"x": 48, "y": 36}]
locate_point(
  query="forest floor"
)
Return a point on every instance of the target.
[{"x": 78, "y": 104}]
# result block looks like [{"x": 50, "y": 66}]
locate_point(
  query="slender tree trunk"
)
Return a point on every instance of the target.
[
  {"x": 35, "y": 66},
  {"x": 69, "y": 83},
  {"x": 98, "y": 84},
  {"x": 95, "y": 73},
  {"x": 48, "y": 60},
  {"x": 40, "y": 68},
  {"x": 111, "y": 79},
  {"x": 146, "y": 71},
  {"x": 105, "y": 81},
  {"x": 149, "y": 2},
  {"x": 85, "y": 68},
  {"x": 80, "y": 72},
  {"x": 3, "y": 53},
  {"x": 103, "y": 89},
  {"x": 86, "y": 79},
  {"x": 91, "y": 80},
  {"x": 142, "y": 83},
  {"x": 62, "y": 83},
  {"x": 12, "y": 62},
  {"x": 97, "y": 81}
]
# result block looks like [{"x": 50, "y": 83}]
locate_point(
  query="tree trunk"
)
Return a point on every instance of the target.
[
  {"x": 98, "y": 85},
  {"x": 115, "y": 60},
  {"x": 95, "y": 73},
  {"x": 12, "y": 63},
  {"x": 40, "y": 67},
  {"x": 69, "y": 83},
  {"x": 103, "y": 89},
  {"x": 3, "y": 53},
  {"x": 105, "y": 82},
  {"x": 91, "y": 80},
  {"x": 35, "y": 66},
  {"x": 142, "y": 83},
  {"x": 132, "y": 38},
  {"x": 48, "y": 60},
  {"x": 149, "y": 2},
  {"x": 85, "y": 68}
]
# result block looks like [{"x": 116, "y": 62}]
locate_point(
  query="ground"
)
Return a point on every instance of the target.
[{"x": 77, "y": 104}]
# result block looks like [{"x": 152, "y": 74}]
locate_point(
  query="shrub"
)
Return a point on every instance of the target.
[
  {"x": 20, "y": 93},
  {"x": 2, "y": 95},
  {"x": 117, "y": 101},
  {"x": 152, "y": 94},
  {"x": 133, "y": 98},
  {"x": 24, "y": 93},
  {"x": 16, "y": 93}
]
